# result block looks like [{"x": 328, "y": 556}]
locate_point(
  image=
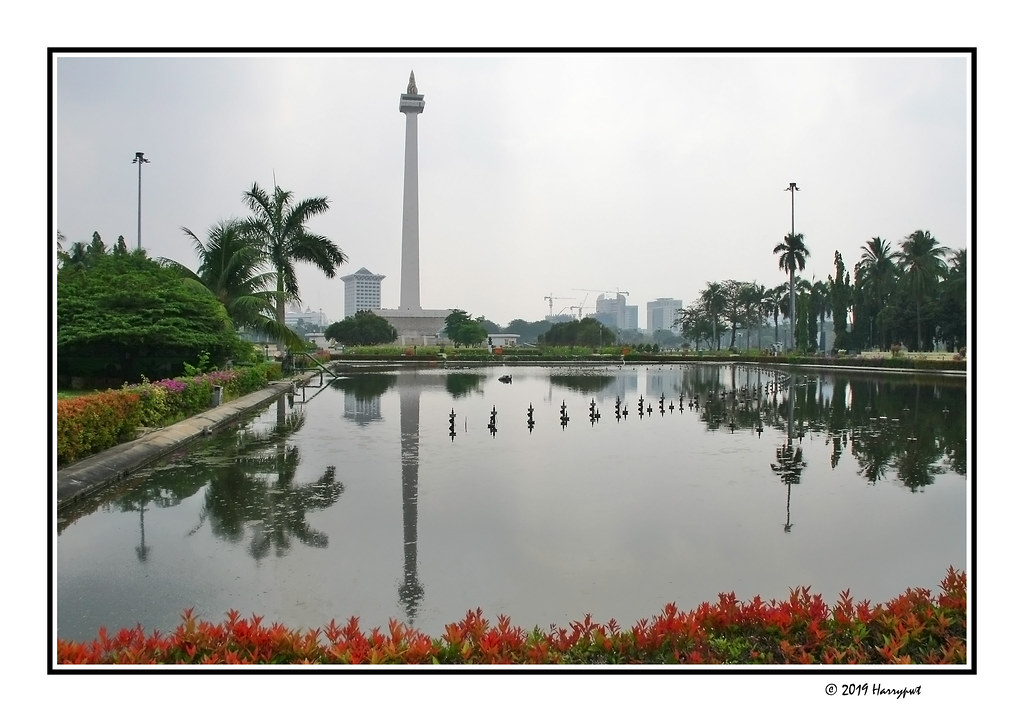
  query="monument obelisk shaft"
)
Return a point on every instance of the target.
[{"x": 411, "y": 104}]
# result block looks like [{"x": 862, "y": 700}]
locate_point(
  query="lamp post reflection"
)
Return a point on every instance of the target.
[
  {"x": 790, "y": 462},
  {"x": 142, "y": 551}
]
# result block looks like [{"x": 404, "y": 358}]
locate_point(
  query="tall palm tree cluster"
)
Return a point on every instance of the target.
[
  {"x": 732, "y": 307},
  {"x": 249, "y": 264},
  {"x": 915, "y": 295}
]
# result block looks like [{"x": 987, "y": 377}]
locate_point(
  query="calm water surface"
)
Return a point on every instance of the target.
[{"x": 355, "y": 499}]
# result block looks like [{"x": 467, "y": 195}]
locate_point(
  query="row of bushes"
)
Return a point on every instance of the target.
[
  {"x": 645, "y": 354},
  {"x": 89, "y": 424},
  {"x": 914, "y": 628}
]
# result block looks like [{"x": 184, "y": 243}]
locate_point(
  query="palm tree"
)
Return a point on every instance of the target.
[
  {"x": 777, "y": 304},
  {"x": 713, "y": 299},
  {"x": 760, "y": 307},
  {"x": 279, "y": 227},
  {"x": 874, "y": 273},
  {"x": 751, "y": 301},
  {"x": 820, "y": 294},
  {"x": 922, "y": 261},
  {"x": 230, "y": 267},
  {"x": 792, "y": 255}
]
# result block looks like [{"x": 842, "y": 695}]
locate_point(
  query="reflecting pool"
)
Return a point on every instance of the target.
[{"x": 418, "y": 494}]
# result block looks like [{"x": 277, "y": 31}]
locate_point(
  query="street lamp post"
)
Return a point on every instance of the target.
[
  {"x": 140, "y": 160},
  {"x": 792, "y": 234}
]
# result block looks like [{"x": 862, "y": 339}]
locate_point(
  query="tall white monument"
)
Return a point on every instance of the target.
[
  {"x": 411, "y": 105},
  {"x": 415, "y": 325}
]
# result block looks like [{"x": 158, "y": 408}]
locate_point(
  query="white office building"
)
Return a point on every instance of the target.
[
  {"x": 362, "y": 291},
  {"x": 661, "y": 313}
]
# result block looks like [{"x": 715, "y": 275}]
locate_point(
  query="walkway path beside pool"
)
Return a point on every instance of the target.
[{"x": 83, "y": 478}]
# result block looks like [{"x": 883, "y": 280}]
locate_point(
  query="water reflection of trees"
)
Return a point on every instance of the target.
[
  {"x": 256, "y": 491},
  {"x": 250, "y": 477},
  {"x": 583, "y": 382},
  {"x": 910, "y": 427},
  {"x": 460, "y": 384}
]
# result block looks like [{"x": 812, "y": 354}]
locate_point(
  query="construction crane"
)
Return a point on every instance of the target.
[
  {"x": 551, "y": 302},
  {"x": 593, "y": 290}
]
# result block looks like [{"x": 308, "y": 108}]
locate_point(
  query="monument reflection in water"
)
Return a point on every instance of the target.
[{"x": 365, "y": 498}]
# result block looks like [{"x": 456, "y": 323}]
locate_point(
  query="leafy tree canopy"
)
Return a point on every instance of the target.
[
  {"x": 581, "y": 332},
  {"x": 463, "y": 330},
  {"x": 365, "y": 328},
  {"x": 528, "y": 331},
  {"x": 123, "y": 315}
]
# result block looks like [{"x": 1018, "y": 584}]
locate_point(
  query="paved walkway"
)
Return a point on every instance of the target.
[{"x": 83, "y": 478}]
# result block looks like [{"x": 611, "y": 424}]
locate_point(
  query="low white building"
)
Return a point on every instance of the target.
[{"x": 500, "y": 340}]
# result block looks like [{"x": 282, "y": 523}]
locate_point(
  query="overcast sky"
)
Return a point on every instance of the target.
[{"x": 540, "y": 174}]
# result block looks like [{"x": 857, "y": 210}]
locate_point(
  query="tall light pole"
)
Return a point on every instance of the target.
[
  {"x": 140, "y": 160},
  {"x": 792, "y": 295}
]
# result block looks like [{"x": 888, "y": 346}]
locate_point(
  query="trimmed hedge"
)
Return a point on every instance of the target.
[{"x": 87, "y": 424}]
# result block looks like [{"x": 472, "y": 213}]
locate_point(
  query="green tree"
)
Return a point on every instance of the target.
[
  {"x": 488, "y": 326},
  {"x": 820, "y": 308},
  {"x": 874, "y": 277},
  {"x": 463, "y": 330},
  {"x": 578, "y": 332},
  {"x": 734, "y": 307},
  {"x": 232, "y": 266},
  {"x": 752, "y": 304},
  {"x": 804, "y": 318},
  {"x": 841, "y": 297},
  {"x": 80, "y": 254},
  {"x": 777, "y": 303},
  {"x": 365, "y": 328},
  {"x": 714, "y": 300},
  {"x": 952, "y": 302},
  {"x": 793, "y": 256},
  {"x": 528, "y": 331},
  {"x": 125, "y": 315},
  {"x": 278, "y": 226},
  {"x": 922, "y": 262}
]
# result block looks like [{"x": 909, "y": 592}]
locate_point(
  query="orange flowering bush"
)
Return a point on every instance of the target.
[
  {"x": 914, "y": 628},
  {"x": 88, "y": 424}
]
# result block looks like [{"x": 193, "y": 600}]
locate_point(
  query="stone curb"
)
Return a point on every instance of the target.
[{"x": 88, "y": 476}]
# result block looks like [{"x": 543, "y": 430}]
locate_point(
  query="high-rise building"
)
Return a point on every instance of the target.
[
  {"x": 362, "y": 291},
  {"x": 632, "y": 318},
  {"x": 611, "y": 310},
  {"x": 661, "y": 313}
]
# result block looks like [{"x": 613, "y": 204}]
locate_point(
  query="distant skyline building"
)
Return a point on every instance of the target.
[
  {"x": 661, "y": 313},
  {"x": 294, "y": 316},
  {"x": 632, "y": 318},
  {"x": 613, "y": 311},
  {"x": 362, "y": 291}
]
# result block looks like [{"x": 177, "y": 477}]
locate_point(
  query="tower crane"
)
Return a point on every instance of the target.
[
  {"x": 551, "y": 302},
  {"x": 594, "y": 290}
]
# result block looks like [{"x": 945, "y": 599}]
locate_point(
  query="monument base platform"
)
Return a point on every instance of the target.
[{"x": 416, "y": 327}]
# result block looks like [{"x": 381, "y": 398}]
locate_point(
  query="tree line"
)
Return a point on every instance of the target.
[{"x": 914, "y": 295}]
